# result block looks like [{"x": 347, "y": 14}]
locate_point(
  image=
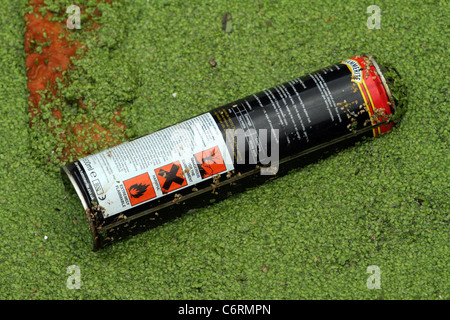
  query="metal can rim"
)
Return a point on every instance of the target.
[
  {"x": 85, "y": 205},
  {"x": 383, "y": 81}
]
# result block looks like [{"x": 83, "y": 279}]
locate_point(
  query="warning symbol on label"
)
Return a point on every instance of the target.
[
  {"x": 171, "y": 177},
  {"x": 210, "y": 162},
  {"x": 139, "y": 189}
]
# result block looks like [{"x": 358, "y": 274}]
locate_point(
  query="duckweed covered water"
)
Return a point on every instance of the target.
[{"x": 309, "y": 235}]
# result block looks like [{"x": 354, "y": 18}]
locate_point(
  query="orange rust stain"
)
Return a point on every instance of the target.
[{"x": 47, "y": 65}]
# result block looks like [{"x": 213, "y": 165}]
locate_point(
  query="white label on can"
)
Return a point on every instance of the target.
[
  {"x": 160, "y": 163},
  {"x": 355, "y": 68}
]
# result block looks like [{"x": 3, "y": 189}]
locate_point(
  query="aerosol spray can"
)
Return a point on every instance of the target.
[{"x": 141, "y": 183}]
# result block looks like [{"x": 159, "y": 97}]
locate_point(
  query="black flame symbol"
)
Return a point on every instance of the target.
[{"x": 137, "y": 190}]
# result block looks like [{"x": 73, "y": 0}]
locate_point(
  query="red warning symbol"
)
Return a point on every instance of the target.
[
  {"x": 171, "y": 177},
  {"x": 139, "y": 189},
  {"x": 210, "y": 162}
]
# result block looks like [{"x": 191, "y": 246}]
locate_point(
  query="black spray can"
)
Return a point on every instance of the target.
[{"x": 141, "y": 183}]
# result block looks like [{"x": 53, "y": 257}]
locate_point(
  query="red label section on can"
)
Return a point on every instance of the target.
[{"x": 366, "y": 77}]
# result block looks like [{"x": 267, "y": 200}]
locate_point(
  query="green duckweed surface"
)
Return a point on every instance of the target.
[{"x": 309, "y": 235}]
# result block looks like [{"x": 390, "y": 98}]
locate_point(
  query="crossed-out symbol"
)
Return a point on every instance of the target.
[{"x": 171, "y": 177}]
